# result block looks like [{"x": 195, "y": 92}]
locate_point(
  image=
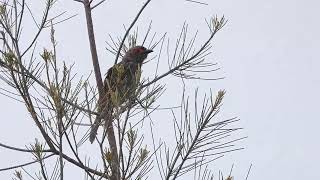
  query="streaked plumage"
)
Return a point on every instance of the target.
[{"x": 120, "y": 83}]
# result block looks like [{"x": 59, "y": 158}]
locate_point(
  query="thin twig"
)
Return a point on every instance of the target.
[
  {"x": 99, "y": 3},
  {"x": 248, "y": 172},
  {"x": 128, "y": 30},
  {"x": 25, "y": 164},
  {"x": 21, "y": 149}
]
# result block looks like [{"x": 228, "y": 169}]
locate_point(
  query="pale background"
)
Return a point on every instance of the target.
[{"x": 269, "y": 53}]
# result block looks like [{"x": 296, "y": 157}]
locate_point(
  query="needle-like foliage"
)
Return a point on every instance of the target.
[{"x": 63, "y": 104}]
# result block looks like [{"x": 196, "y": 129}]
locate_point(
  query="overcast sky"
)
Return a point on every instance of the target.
[{"x": 268, "y": 52}]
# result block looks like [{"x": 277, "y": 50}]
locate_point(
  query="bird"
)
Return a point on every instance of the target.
[{"x": 119, "y": 85}]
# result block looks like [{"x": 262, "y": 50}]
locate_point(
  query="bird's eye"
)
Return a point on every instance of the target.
[{"x": 139, "y": 50}]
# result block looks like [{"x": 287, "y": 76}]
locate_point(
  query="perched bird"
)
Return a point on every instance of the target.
[{"x": 119, "y": 85}]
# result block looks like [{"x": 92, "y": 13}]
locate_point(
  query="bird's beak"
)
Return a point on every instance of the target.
[{"x": 148, "y": 51}]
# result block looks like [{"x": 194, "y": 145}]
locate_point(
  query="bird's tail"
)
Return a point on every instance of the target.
[
  {"x": 94, "y": 128},
  {"x": 105, "y": 114}
]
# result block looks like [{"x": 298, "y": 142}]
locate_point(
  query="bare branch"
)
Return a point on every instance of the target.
[
  {"x": 25, "y": 164},
  {"x": 99, "y": 3},
  {"x": 197, "y": 2},
  {"x": 20, "y": 149}
]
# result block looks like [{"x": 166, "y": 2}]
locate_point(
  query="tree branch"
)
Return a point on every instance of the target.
[
  {"x": 21, "y": 149},
  {"x": 25, "y": 164},
  {"x": 95, "y": 62}
]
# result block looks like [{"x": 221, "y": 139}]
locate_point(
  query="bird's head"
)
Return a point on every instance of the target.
[{"x": 136, "y": 54}]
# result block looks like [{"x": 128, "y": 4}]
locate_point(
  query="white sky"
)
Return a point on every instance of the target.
[{"x": 269, "y": 52}]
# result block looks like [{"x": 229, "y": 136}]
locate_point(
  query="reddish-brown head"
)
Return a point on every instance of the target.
[{"x": 136, "y": 54}]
